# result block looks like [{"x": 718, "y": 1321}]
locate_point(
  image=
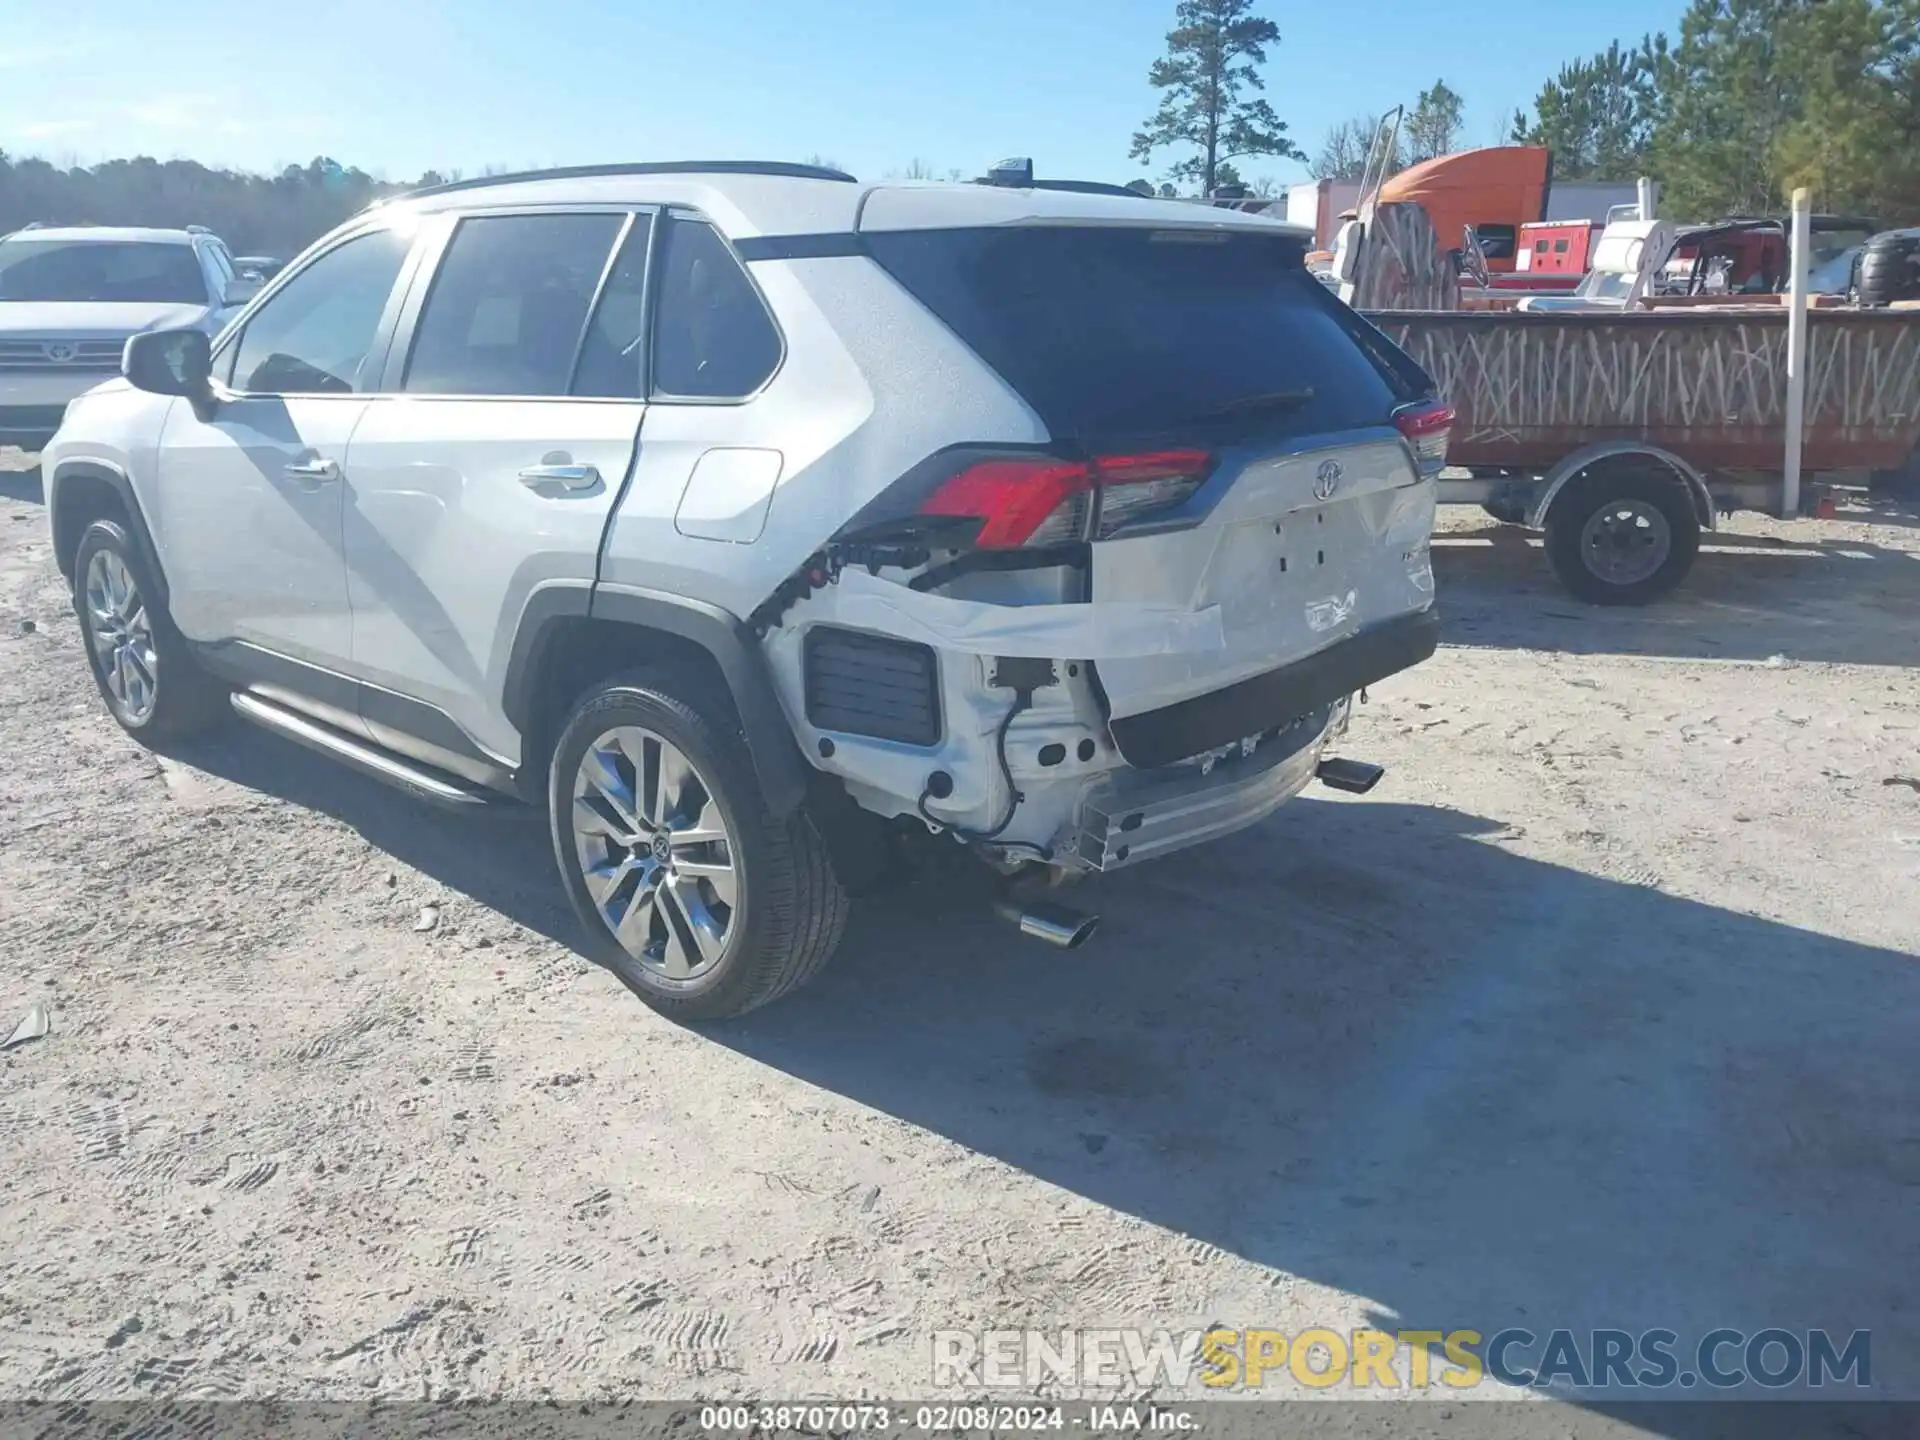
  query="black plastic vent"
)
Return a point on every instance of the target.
[{"x": 863, "y": 684}]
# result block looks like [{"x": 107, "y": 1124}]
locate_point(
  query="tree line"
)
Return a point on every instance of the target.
[
  {"x": 1751, "y": 99},
  {"x": 274, "y": 215}
]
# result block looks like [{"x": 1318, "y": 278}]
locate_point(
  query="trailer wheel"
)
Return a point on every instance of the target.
[{"x": 1622, "y": 532}]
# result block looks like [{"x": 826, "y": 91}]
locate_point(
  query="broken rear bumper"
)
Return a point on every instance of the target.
[
  {"x": 1206, "y": 722},
  {"x": 1136, "y": 815}
]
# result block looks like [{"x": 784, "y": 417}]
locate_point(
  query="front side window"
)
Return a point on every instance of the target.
[
  {"x": 713, "y": 338},
  {"x": 509, "y": 304},
  {"x": 103, "y": 271},
  {"x": 316, "y": 335}
]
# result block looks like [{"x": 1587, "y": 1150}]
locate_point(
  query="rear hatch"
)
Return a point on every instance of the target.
[{"x": 1247, "y": 433}]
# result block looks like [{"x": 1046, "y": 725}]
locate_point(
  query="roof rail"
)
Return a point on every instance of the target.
[
  {"x": 1090, "y": 187},
  {"x": 34, "y": 225},
  {"x": 649, "y": 167}
]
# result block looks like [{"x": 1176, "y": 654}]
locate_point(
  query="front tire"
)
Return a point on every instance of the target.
[
  {"x": 700, "y": 900},
  {"x": 140, "y": 661},
  {"x": 1622, "y": 534}
]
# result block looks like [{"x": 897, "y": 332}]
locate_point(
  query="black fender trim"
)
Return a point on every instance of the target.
[
  {"x": 136, "y": 521},
  {"x": 777, "y": 762},
  {"x": 776, "y": 759},
  {"x": 1160, "y": 737},
  {"x": 546, "y": 608}
]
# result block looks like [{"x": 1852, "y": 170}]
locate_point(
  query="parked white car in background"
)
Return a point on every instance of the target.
[{"x": 70, "y": 297}]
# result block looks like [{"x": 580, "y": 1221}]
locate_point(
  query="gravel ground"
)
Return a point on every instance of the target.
[{"x": 1600, "y": 1011}]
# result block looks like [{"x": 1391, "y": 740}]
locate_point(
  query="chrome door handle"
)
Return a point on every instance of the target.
[
  {"x": 313, "y": 472},
  {"x": 566, "y": 477}
]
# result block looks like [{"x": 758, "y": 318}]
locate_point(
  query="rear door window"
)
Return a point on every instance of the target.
[
  {"x": 1117, "y": 331},
  {"x": 509, "y": 305},
  {"x": 613, "y": 353}
]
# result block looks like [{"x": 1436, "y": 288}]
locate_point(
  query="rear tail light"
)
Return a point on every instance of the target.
[
  {"x": 1041, "y": 500},
  {"x": 1425, "y": 426},
  {"x": 1132, "y": 486}
]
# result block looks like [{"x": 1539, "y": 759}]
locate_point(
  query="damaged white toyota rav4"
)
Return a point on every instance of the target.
[{"x": 740, "y": 514}]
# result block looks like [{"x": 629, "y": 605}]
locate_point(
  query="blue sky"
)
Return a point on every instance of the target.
[{"x": 396, "y": 86}]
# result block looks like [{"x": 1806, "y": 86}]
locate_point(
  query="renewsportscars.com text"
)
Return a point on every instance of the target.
[{"x": 1366, "y": 1359}]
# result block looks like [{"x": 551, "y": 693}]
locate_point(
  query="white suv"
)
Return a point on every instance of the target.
[
  {"x": 70, "y": 297},
  {"x": 745, "y": 516}
]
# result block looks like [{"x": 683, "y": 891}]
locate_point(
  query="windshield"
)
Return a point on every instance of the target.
[
  {"x": 1606, "y": 285},
  {"x": 1833, "y": 276},
  {"x": 101, "y": 271}
]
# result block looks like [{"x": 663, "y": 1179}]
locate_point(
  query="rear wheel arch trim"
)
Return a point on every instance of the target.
[
  {"x": 777, "y": 762},
  {"x": 108, "y": 473},
  {"x": 1566, "y": 470}
]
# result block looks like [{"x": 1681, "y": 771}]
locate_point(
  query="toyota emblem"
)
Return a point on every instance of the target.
[
  {"x": 60, "y": 353},
  {"x": 1326, "y": 480}
]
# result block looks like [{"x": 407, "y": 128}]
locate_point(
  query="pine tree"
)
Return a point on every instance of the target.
[{"x": 1212, "y": 59}]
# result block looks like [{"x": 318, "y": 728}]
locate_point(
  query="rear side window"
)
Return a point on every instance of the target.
[
  {"x": 1111, "y": 331},
  {"x": 713, "y": 338},
  {"x": 509, "y": 305}
]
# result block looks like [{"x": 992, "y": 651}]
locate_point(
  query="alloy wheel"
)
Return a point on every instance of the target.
[
  {"x": 655, "y": 852},
  {"x": 122, "y": 636}
]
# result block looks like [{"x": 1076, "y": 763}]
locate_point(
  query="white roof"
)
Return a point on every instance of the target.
[
  {"x": 752, "y": 205},
  {"x": 121, "y": 233},
  {"x": 948, "y": 207}
]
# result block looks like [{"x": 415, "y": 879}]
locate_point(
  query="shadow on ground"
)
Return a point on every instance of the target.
[
  {"x": 1367, "y": 1045},
  {"x": 23, "y": 485},
  {"x": 1746, "y": 599}
]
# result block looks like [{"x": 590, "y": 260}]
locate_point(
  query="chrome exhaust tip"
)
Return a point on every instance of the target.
[
  {"x": 1060, "y": 926},
  {"x": 1356, "y": 777}
]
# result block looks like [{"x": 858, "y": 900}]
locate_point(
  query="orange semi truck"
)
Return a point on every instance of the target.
[{"x": 1496, "y": 190}]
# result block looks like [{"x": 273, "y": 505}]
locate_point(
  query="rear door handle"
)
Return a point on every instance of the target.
[
  {"x": 312, "y": 472},
  {"x": 566, "y": 477}
]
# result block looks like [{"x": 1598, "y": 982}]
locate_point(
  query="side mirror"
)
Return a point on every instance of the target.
[
  {"x": 1346, "y": 252},
  {"x": 170, "y": 362},
  {"x": 242, "y": 288}
]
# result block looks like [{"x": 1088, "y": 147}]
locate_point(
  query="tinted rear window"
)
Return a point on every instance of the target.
[{"x": 1109, "y": 331}]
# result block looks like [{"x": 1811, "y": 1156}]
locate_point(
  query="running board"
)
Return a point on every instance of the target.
[{"x": 423, "y": 784}]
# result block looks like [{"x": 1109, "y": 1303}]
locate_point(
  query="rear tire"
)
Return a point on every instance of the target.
[
  {"x": 1622, "y": 533},
  {"x": 702, "y": 902},
  {"x": 1900, "y": 484},
  {"x": 139, "y": 659}
]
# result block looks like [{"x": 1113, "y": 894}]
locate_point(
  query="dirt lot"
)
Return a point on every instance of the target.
[{"x": 1600, "y": 1011}]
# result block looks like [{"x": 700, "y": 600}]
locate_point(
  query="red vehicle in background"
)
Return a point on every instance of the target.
[
  {"x": 1558, "y": 247},
  {"x": 1507, "y": 196}
]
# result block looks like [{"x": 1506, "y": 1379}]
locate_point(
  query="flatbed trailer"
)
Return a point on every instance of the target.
[{"x": 1624, "y": 435}]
